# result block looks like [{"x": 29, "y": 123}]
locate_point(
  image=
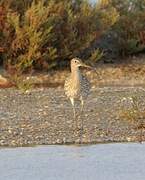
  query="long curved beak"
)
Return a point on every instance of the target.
[
  {"x": 85, "y": 65},
  {"x": 92, "y": 68}
]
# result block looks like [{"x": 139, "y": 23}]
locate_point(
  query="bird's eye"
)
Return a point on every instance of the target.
[{"x": 75, "y": 61}]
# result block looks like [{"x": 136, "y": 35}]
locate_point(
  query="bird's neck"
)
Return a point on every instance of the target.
[{"x": 76, "y": 75}]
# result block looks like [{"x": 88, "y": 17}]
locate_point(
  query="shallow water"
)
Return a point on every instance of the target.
[{"x": 95, "y": 162}]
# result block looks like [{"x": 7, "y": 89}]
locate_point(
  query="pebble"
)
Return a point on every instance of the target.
[{"x": 44, "y": 116}]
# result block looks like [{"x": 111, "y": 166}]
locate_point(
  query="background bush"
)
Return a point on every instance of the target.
[
  {"x": 130, "y": 25},
  {"x": 41, "y": 34}
]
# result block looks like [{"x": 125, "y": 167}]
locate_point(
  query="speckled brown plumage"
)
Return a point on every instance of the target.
[
  {"x": 76, "y": 85},
  {"x": 77, "y": 91}
]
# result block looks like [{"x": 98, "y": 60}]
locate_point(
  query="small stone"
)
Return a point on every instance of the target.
[
  {"x": 2, "y": 142},
  {"x": 128, "y": 139},
  {"x": 9, "y": 131}
]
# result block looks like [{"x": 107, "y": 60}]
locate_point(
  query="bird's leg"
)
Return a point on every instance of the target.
[
  {"x": 74, "y": 111},
  {"x": 82, "y": 105},
  {"x": 82, "y": 122},
  {"x": 82, "y": 108}
]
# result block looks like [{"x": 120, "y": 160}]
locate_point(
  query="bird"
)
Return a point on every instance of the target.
[{"x": 77, "y": 86}]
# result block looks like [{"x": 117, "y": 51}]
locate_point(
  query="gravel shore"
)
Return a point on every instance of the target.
[{"x": 44, "y": 116}]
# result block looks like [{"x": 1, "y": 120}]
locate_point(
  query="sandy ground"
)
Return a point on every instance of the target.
[{"x": 44, "y": 116}]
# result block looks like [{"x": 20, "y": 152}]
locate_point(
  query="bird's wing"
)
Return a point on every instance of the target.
[{"x": 85, "y": 86}]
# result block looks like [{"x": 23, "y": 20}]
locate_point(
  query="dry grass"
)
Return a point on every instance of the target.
[{"x": 129, "y": 73}]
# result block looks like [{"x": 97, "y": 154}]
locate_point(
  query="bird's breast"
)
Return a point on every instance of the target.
[
  {"x": 73, "y": 88},
  {"x": 76, "y": 86}
]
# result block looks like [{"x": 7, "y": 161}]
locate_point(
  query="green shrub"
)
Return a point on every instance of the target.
[
  {"x": 46, "y": 33},
  {"x": 31, "y": 33},
  {"x": 96, "y": 55},
  {"x": 22, "y": 83},
  {"x": 129, "y": 25}
]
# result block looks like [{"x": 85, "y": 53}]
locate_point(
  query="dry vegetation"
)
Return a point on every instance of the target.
[
  {"x": 134, "y": 115},
  {"x": 44, "y": 34},
  {"x": 47, "y": 32},
  {"x": 41, "y": 35}
]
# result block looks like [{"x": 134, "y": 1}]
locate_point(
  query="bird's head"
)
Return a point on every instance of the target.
[{"x": 76, "y": 62}]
